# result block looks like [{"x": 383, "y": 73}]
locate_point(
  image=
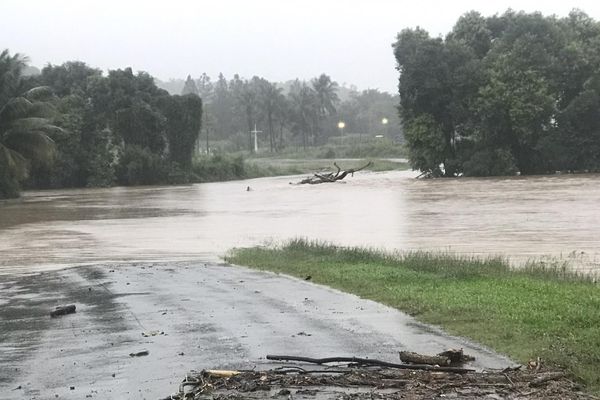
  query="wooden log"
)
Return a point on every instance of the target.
[
  {"x": 416, "y": 358},
  {"x": 369, "y": 362},
  {"x": 456, "y": 356},
  {"x": 545, "y": 378},
  {"x": 63, "y": 310},
  {"x": 219, "y": 373}
]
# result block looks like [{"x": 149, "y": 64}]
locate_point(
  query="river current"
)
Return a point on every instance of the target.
[{"x": 521, "y": 218}]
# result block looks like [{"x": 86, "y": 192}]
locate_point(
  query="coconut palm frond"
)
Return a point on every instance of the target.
[
  {"x": 13, "y": 162},
  {"x": 39, "y": 93},
  {"x": 25, "y": 121},
  {"x": 31, "y": 144},
  {"x": 15, "y": 108},
  {"x": 29, "y": 123},
  {"x": 44, "y": 109}
]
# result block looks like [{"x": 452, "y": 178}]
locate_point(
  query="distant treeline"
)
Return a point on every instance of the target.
[
  {"x": 296, "y": 113},
  {"x": 511, "y": 93}
]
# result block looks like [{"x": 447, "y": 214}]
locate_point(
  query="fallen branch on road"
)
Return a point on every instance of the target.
[
  {"x": 416, "y": 358},
  {"x": 369, "y": 362},
  {"x": 547, "y": 377},
  {"x": 450, "y": 357}
]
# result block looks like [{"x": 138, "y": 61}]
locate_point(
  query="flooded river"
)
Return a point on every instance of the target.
[{"x": 521, "y": 218}]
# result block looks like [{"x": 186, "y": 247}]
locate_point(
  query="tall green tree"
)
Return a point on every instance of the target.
[
  {"x": 327, "y": 98},
  {"x": 247, "y": 102},
  {"x": 205, "y": 88},
  {"x": 270, "y": 97},
  {"x": 222, "y": 109},
  {"x": 305, "y": 110},
  {"x": 425, "y": 98},
  {"x": 183, "y": 119},
  {"x": 25, "y": 125},
  {"x": 190, "y": 87}
]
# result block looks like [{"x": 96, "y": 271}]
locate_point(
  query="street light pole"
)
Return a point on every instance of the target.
[
  {"x": 341, "y": 125},
  {"x": 384, "y": 122}
]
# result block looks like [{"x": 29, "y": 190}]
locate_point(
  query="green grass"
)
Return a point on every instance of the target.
[
  {"x": 349, "y": 148},
  {"x": 224, "y": 167},
  {"x": 539, "y": 310},
  {"x": 278, "y": 166}
]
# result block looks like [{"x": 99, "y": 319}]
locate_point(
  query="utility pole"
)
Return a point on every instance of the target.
[{"x": 255, "y": 132}]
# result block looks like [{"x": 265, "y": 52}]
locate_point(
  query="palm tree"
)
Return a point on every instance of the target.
[
  {"x": 24, "y": 125},
  {"x": 304, "y": 103},
  {"x": 327, "y": 97},
  {"x": 271, "y": 97}
]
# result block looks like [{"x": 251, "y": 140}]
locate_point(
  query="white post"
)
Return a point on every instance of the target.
[{"x": 255, "y": 132}]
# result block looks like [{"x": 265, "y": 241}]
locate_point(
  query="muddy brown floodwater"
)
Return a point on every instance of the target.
[{"x": 523, "y": 218}]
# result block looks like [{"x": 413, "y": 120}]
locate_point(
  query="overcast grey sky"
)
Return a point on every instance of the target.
[{"x": 276, "y": 39}]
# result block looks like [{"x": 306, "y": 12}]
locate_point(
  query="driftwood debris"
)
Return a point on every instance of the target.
[
  {"x": 63, "y": 310},
  {"x": 362, "y": 383},
  {"x": 450, "y": 357},
  {"x": 368, "y": 362},
  {"x": 330, "y": 177},
  {"x": 220, "y": 373},
  {"x": 547, "y": 377},
  {"x": 416, "y": 358},
  {"x": 456, "y": 356}
]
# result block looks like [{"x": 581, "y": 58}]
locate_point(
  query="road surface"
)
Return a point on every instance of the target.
[{"x": 203, "y": 315}]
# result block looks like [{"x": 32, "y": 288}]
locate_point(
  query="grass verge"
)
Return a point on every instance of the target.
[
  {"x": 536, "y": 311},
  {"x": 223, "y": 167},
  {"x": 293, "y": 166}
]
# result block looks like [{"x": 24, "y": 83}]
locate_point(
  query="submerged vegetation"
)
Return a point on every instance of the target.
[{"x": 537, "y": 311}]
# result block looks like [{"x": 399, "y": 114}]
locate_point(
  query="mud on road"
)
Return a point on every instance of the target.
[{"x": 186, "y": 316}]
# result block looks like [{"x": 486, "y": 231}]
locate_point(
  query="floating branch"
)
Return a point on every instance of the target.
[{"x": 331, "y": 177}]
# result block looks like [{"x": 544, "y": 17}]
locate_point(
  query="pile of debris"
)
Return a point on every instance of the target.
[{"x": 374, "y": 379}]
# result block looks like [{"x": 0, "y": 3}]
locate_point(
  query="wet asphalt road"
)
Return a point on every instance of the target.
[{"x": 212, "y": 316}]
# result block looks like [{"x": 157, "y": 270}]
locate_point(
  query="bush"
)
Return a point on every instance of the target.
[
  {"x": 490, "y": 163},
  {"x": 329, "y": 153},
  {"x": 9, "y": 185},
  {"x": 139, "y": 166},
  {"x": 218, "y": 167}
]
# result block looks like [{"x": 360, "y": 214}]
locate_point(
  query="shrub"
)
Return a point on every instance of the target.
[{"x": 139, "y": 166}]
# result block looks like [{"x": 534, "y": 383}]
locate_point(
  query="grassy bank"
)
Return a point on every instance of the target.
[
  {"x": 227, "y": 167},
  {"x": 526, "y": 313},
  {"x": 291, "y": 166},
  {"x": 349, "y": 148}
]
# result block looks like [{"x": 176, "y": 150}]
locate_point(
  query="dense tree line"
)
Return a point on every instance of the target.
[
  {"x": 71, "y": 126},
  {"x": 510, "y": 93}
]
